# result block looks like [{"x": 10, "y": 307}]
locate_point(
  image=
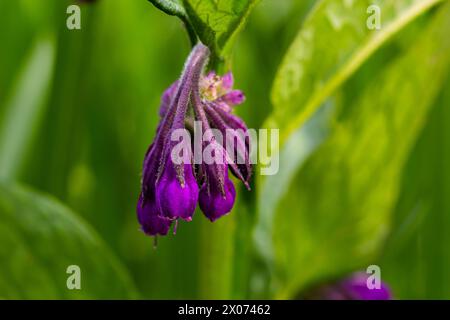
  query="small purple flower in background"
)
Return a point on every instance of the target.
[
  {"x": 171, "y": 190},
  {"x": 352, "y": 288}
]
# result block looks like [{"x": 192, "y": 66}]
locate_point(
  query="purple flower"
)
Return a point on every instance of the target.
[
  {"x": 354, "y": 287},
  {"x": 220, "y": 91},
  {"x": 151, "y": 223},
  {"x": 171, "y": 189},
  {"x": 217, "y": 194}
]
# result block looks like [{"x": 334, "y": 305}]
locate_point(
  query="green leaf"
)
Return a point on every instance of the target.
[
  {"x": 216, "y": 22},
  {"x": 333, "y": 43},
  {"x": 40, "y": 239},
  {"x": 25, "y": 107},
  {"x": 418, "y": 249},
  {"x": 334, "y": 214},
  {"x": 297, "y": 150},
  {"x": 171, "y": 7}
]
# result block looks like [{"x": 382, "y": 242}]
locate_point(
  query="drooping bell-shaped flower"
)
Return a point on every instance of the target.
[
  {"x": 177, "y": 191},
  {"x": 151, "y": 223},
  {"x": 217, "y": 197},
  {"x": 217, "y": 194},
  {"x": 171, "y": 183},
  {"x": 236, "y": 139},
  {"x": 177, "y": 188},
  {"x": 219, "y": 99}
]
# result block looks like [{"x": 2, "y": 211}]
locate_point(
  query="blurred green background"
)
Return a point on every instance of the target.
[{"x": 364, "y": 176}]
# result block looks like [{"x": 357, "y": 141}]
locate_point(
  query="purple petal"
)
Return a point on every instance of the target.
[
  {"x": 227, "y": 82},
  {"x": 239, "y": 157},
  {"x": 217, "y": 194},
  {"x": 233, "y": 98},
  {"x": 151, "y": 223},
  {"x": 211, "y": 75},
  {"x": 155, "y": 198},
  {"x": 150, "y": 171},
  {"x": 214, "y": 202},
  {"x": 152, "y": 161},
  {"x": 177, "y": 191}
]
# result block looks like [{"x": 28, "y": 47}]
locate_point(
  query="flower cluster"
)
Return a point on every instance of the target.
[{"x": 170, "y": 190}]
